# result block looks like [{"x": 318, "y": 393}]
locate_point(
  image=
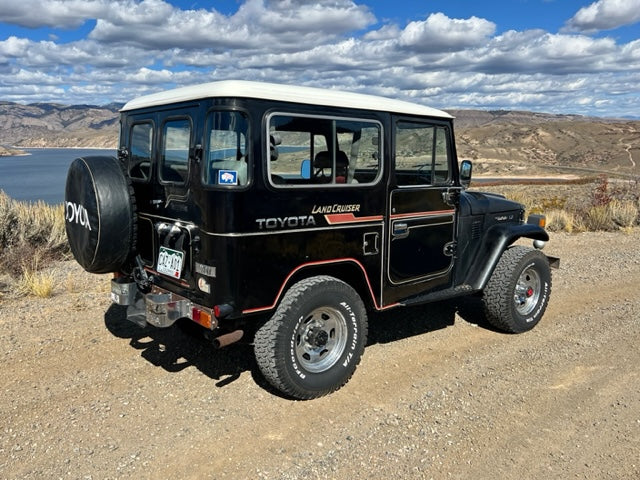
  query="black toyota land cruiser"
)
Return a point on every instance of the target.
[{"x": 285, "y": 214}]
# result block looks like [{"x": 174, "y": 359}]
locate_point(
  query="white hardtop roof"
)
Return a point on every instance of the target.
[{"x": 284, "y": 93}]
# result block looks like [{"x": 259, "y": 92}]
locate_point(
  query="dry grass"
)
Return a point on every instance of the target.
[
  {"x": 36, "y": 283},
  {"x": 624, "y": 213},
  {"x": 599, "y": 218},
  {"x": 30, "y": 230},
  {"x": 560, "y": 221},
  {"x": 32, "y": 235},
  {"x": 599, "y": 205}
]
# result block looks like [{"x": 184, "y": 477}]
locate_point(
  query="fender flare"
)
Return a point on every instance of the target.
[{"x": 495, "y": 241}]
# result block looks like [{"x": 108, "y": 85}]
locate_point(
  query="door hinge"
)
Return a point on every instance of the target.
[{"x": 451, "y": 197}]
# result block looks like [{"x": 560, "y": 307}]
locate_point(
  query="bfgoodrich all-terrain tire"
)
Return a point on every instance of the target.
[
  {"x": 517, "y": 294},
  {"x": 313, "y": 343},
  {"x": 100, "y": 214}
]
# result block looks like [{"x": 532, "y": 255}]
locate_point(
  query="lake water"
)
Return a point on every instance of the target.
[{"x": 42, "y": 174}]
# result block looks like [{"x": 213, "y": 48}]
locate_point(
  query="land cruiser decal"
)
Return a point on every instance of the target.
[
  {"x": 334, "y": 214},
  {"x": 338, "y": 214},
  {"x": 336, "y": 208}
]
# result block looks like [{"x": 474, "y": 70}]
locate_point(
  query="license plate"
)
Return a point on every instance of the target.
[{"x": 170, "y": 262}]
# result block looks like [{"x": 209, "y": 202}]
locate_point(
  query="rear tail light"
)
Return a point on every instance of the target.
[{"x": 201, "y": 317}]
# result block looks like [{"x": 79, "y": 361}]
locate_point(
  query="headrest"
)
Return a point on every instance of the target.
[
  {"x": 323, "y": 160},
  {"x": 274, "y": 141}
]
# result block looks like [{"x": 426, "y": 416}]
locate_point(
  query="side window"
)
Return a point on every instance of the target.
[
  {"x": 225, "y": 156},
  {"x": 141, "y": 142},
  {"x": 174, "y": 160},
  {"x": 422, "y": 154},
  {"x": 309, "y": 150}
]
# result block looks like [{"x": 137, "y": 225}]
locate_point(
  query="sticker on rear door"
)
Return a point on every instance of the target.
[
  {"x": 227, "y": 177},
  {"x": 170, "y": 262}
]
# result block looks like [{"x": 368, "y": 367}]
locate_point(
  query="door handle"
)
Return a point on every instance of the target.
[{"x": 400, "y": 230}]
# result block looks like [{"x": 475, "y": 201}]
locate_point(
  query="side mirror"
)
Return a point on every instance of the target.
[
  {"x": 305, "y": 169},
  {"x": 466, "y": 167}
]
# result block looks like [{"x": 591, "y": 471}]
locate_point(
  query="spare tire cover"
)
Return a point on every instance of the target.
[{"x": 99, "y": 214}]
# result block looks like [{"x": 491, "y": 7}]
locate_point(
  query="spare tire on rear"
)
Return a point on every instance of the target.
[{"x": 100, "y": 214}]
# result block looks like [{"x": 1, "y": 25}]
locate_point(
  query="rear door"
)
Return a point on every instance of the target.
[
  {"x": 421, "y": 218},
  {"x": 161, "y": 147}
]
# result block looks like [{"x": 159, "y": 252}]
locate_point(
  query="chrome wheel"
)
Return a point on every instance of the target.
[
  {"x": 527, "y": 292},
  {"x": 320, "y": 339}
]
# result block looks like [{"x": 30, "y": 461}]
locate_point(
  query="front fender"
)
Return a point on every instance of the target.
[{"x": 495, "y": 241}]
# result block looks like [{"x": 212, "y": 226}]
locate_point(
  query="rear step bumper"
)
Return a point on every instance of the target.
[{"x": 159, "y": 307}]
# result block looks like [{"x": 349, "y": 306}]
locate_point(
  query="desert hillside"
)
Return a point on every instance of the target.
[{"x": 527, "y": 143}]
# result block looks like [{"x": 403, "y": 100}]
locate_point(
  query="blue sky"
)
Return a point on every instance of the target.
[{"x": 560, "y": 56}]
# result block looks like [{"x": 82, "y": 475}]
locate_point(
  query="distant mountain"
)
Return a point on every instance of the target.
[
  {"x": 499, "y": 142},
  {"x": 54, "y": 125}
]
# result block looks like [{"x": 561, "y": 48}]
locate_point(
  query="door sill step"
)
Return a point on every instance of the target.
[{"x": 458, "y": 291}]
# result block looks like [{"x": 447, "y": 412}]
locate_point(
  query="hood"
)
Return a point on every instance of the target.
[{"x": 480, "y": 203}]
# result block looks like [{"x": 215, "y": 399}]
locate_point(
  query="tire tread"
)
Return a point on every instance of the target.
[
  {"x": 497, "y": 297},
  {"x": 267, "y": 346}
]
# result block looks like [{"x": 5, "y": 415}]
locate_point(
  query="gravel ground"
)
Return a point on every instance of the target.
[{"x": 87, "y": 395}]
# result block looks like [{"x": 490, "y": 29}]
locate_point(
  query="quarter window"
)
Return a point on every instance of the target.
[
  {"x": 422, "y": 154},
  {"x": 225, "y": 157},
  {"x": 309, "y": 150},
  {"x": 176, "y": 138}
]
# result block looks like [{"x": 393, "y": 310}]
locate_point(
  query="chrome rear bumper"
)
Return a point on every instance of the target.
[{"x": 159, "y": 307}]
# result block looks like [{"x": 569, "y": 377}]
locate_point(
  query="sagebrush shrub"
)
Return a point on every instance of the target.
[
  {"x": 599, "y": 218},
  {"x": 623, "y": 213},
  {"x": 560, "y": 221},
  {"x": 27, "y": 229}
]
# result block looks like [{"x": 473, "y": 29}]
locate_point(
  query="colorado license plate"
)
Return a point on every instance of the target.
[{"x": 170, "y": 262}]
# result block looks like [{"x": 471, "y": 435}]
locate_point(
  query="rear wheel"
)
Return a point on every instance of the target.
[
  {"x": 313, "y": 343},
  {"x": 517, "y": 294}
]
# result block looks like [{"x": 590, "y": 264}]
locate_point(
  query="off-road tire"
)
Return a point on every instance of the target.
[
  {"x": 312, "y": 344},
  {"x": 100, "y": 214},
  {"x": 518, "y": 291}
]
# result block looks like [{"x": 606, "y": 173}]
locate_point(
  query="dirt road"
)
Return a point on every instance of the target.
[{"x": 87, "y": 395}]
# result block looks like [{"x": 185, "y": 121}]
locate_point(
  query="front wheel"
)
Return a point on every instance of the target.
[
  {"x": 313, "y": 343},
  {"x": 517, "y": 293}
]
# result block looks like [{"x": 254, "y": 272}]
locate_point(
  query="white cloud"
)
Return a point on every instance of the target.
[
  {"x": 605, "y": 15},
  {"x": 54, "y": 13},
  {"x": 441, "y": 33},
  {"x": 155, "y": 24}
]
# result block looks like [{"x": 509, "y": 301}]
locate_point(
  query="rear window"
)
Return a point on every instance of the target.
[
  {"x": 323, "y": 151},
  {"x": 174, "y": 160},
  {"x": 141, "y": 139}
]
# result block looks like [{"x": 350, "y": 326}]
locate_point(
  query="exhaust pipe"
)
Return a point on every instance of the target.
[{"x": 227, "y": 339}]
